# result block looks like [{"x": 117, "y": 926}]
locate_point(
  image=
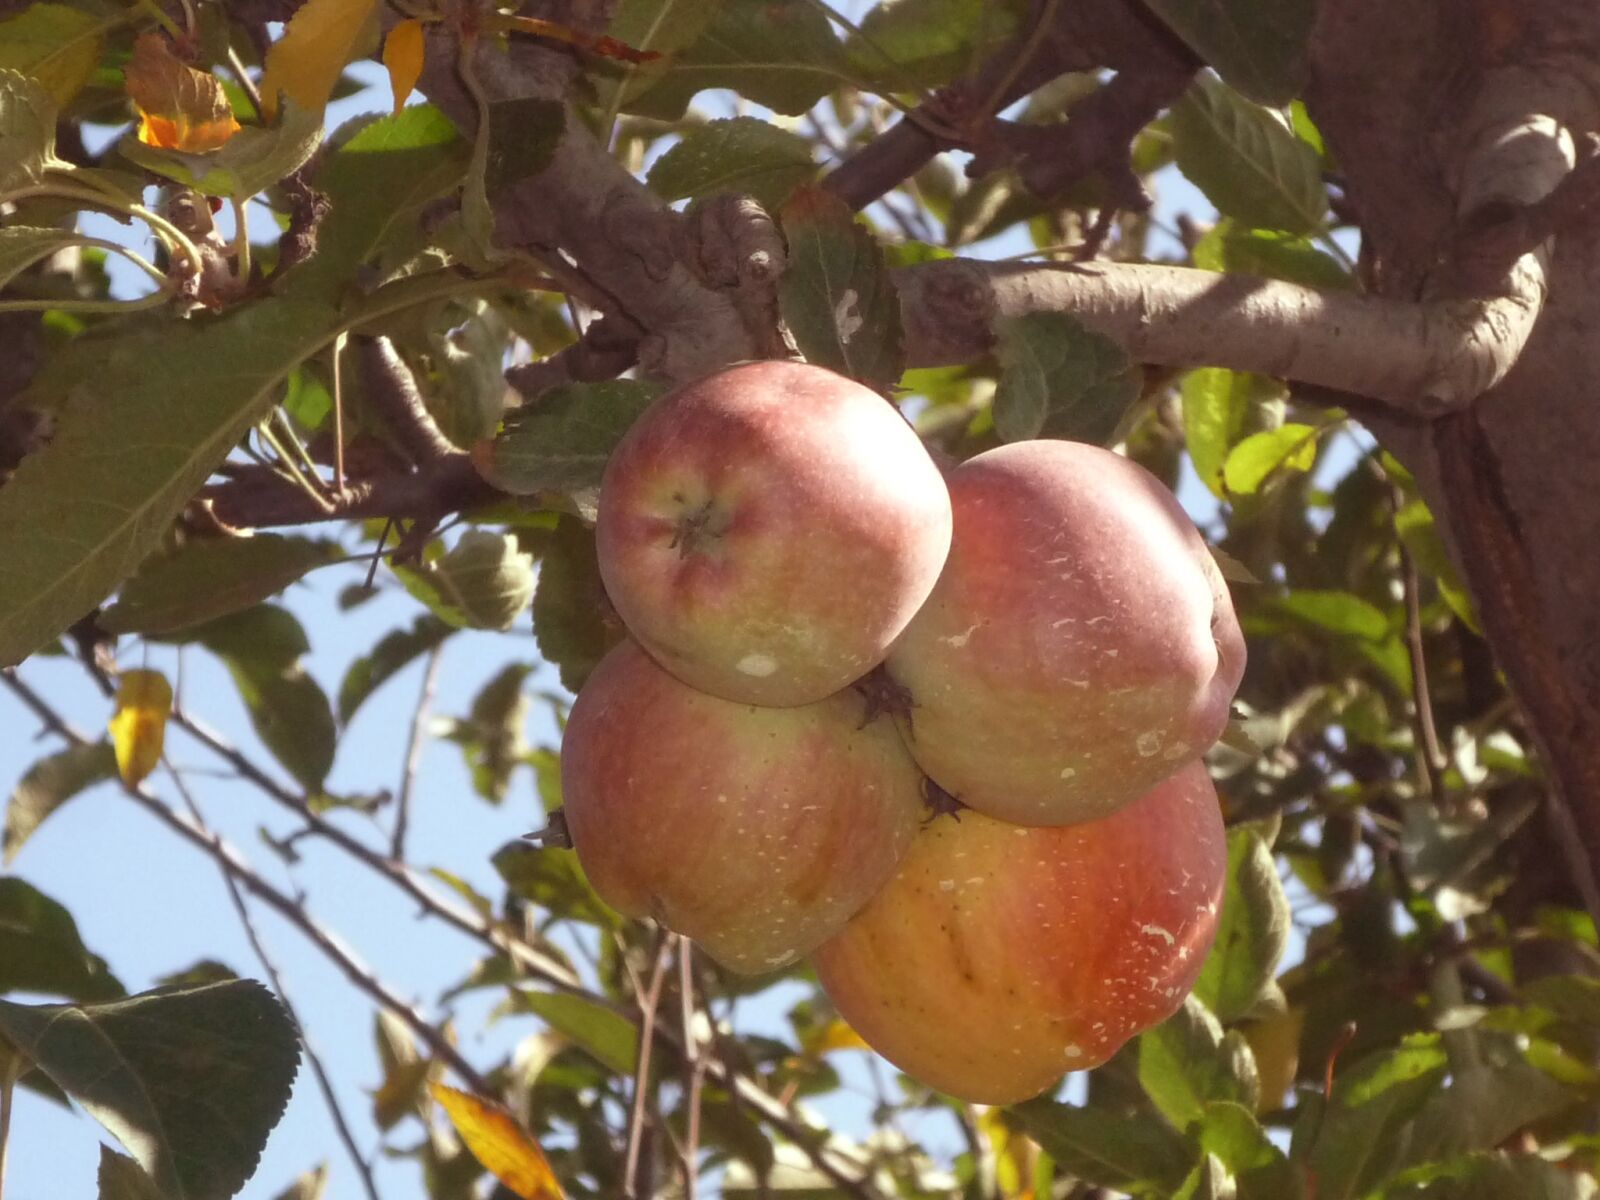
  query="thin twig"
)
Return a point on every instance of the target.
[
  {"x": 414, "y": 745},
  {"x": 337, "y": 355},
  {"x": 291, "y": 910},
  {"x": 694, "y": 1064},
  {"x": 649, "y": 1000},
  {"x": 313, "y": 1060}
]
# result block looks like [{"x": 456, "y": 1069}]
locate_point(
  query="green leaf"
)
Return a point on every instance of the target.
[
  {"x": 908, "y": 44},
  {"x": 780, "y": 54},
  {"x": 1217, "y": 404},
  {"x": 1246, "y": 160},
  {"x": 262, "y": 648},
  {"x": 27, "y": 130},
  {"x": 1187, "y": 1061},
  {"x": 1502, "y": 1177},
  {"x": 211, "y": 577},
  {"x": 554, "y": 880},
  {"x": 254, "y": 158},
  {"x": 1417, "y": 529},
  {"x": 1359, "y": 1138},
  {"x": 1208, "y": 1181},
  {"x": 1252, "y": 932},
  {"x": 312, "y": 1185},
  {"x": 190, "y": 1080},
  {"x": 1258, "y": 46},
  {"x": 836, "y": 295},
  {"x": 21, "y": 246},
  {"x": 1227, "y": 246},
  {"x": 1060, "y": 379},
  {"x": 1290, "y": 447},
  {"x": 1337, "y": 612},
  {"x": 493, "y": 734},
  {"x": 393, "y": 652},
  {"x": 515, "y": 141},
  {"x": 49, "y": 784},
  {"x": 608, "y": 1036},
  {"x": 121, "y": 1178},
  {"x": 1110, "y": 1149},
  {"x": 484, "y": 582},
  {"x": 572, "y": 619},
  {"x": 664, "y": 26},
  {"x": 1231, "y": 1133},
  {"x": 742, "y": 154},
  {"x": 56, "y": 44},
  {"x": 560, "y": 441},
  {"x": 40, "y": 950}
]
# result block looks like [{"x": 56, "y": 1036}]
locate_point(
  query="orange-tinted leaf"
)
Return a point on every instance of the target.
[
  {"x": 139, "y": 723},
  {"x": 606, "y": 47},
  {"x": 836, "y": 1035},
  {"x": 319, "y": 41},
  {"x": 180, "y": 108},
  {"x": 500, "y": 1144},
  {"x": 402, "y": 57}
]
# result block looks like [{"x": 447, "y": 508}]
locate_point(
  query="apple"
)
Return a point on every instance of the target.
[
  {"x": 758, "y": 832},
  {"x": 767, "y": 531},
  {"x": 1080, "y": 645},
  {"x": 1002, "y": 956}
]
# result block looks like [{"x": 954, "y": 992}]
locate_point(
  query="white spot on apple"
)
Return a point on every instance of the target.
[
  {"x": 757, "y": 665},
  {"x": 1148, "y": 743},
  {"x": 1157, "y": 931}
]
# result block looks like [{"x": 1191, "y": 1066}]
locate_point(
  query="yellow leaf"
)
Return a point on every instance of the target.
[
  {"x": 403, "y": 52},
  {"x": 139, "y": 723},
  {"x": 180, "y": 108},
  {"x": 835, "y": 1035},
  {"x": 317, "y": 44},
  {"x": 500, "y": 1144}
]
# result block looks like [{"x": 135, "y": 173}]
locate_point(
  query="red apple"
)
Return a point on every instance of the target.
[
  {"x": 766, "y": 532},
  {"x": 1002, "y": 956},
  {"x": 758, "y": 832},
  {"x": 1080, "y": 645}
]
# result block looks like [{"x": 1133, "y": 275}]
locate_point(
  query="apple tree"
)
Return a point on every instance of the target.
[{"x": 1323, "y": 270}]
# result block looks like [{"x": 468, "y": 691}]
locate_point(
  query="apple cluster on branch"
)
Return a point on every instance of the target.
[{"x": 1060, "y": 652}]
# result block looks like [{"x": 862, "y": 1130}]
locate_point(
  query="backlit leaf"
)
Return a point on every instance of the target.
[
  {"x": 139, "y": 722},
  {"x": 1247, "y": 160},
  {"x": 909, "y": 44},
  {"x": 572, "y": 619},
  {"x": 609, "y": 1036},
  {"x": 1216, "y": 409},
  {"x": 404, "y": 47},
  {"x": 741, "y": 154},
  {"x": 484, "y": 582},
  {"x": 49, "y": 784},
  {"x": 211, "y": 577},
  {"x": 836, "y": 295},
  {"x": 254, "y": 158},
  {"x": 1337, "y": 612},
  {"x": 552, "y": 879},
  {"x": 180, "y": 108},
  {"x": 1290, "y": 447},
  {"x": 120, "y": 1178},
  {"x": 1059, "y": 379},
  {"x": 1258, "y": 46},
  {"x": 40, "y": 950},
  {"x": 190, "y": 1080},
  {"x": 1187, "y": 1061},
  {"x": 503, "y": 1147},
  {"x": 320, "y": 40},
  {"x": 27, "y": 130},
  {"x": 1229, "y": 246},
  {"x": 560, "y": 440},
  {"x": 1251, "y": 934},
  {"x": 22, "y": 245},
  {"x": 56, "y": 44}
]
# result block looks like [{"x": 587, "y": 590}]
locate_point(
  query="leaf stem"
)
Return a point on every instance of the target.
[
  {"x": 100, "y": 199},
  {"x": 293, "y": 468},
  {"x": 7, "y": 1088},
  {"x": 241, "y": 238},
  {"x": 153, "y": 300}
]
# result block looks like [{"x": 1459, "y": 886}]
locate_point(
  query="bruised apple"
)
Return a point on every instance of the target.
[
  {"x": 755, "y": 831},
  {"x": 765, "y": 532},
  {"x": 1002, "y": 956},
  {"x": 1080, "y": 645}
]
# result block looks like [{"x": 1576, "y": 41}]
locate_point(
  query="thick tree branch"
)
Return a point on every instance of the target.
[{"x": 1420, "y": 358}]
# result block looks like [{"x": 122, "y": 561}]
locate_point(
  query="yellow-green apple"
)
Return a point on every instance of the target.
[
  {"x": 755, "y": 831},
  {"x": 765, "y": 532},
  {"x": 1002, "y": 956},
  {"x": 1080, "y": 645}
]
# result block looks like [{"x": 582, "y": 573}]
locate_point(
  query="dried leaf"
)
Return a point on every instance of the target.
[
  {"x": 317, "y": 44},
  {"x": 180, "y": 108},
  {"x": 500, "y": 1144},
  {"x": 403, "y": 52},
  {"x": 139, "y": 724}
]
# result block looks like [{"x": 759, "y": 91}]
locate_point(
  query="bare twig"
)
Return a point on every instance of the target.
[
  {"x": 313, "y": 1060},
  {"x": 694, "y": 1065},
  {"x": 649, "y": 1001},
  {"x": 414, "y": 744}
]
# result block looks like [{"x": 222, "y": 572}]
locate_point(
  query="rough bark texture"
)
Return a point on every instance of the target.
[{"x": 1413, "y": 107}]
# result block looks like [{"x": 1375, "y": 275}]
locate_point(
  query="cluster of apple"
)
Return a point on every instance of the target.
[{"x": 1057, "y": 651}]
